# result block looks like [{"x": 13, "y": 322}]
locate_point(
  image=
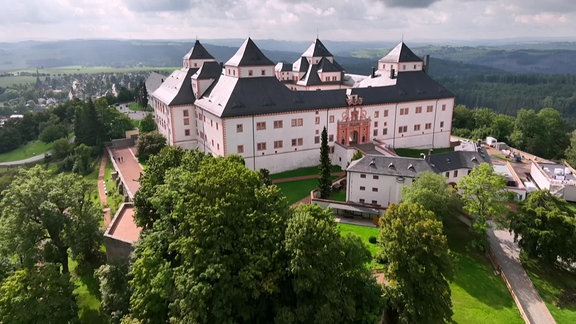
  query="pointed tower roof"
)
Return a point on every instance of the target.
[
  {"x": 249, "y": 55},
  {"x": 317, "y": 49},
  {"x": 400, "y": 53},
  {"x": 198, "y": 52}
]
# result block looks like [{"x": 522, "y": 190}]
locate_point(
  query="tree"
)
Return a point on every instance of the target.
[
  {"x": 115, "y": 290},
  {"x": 543, "y": 134},
  {"x": 147, "y": 124},
  {"x": 545, "y": 227},
  {"x": 141, "y": 94},
  {"x": 571, "y": 150},
  {"x": 431, "y": 191},
  {"x": 49, "y": 218},
  {"x": 61, "y": 149},
  {"x": 53, "y": 132},
  {"x": 88, "y": 126},
  {"x": 324, "y": 181},
  {"x": 418, "y": 265},
  {"x": 329, "y": 280},
  {"x": 484, "y": 195},
  {"x": 149, "y": 144},
  {"x": 82, "y": 159},
  {"x": 39, "y": 294},
  {"x": 213, "y": 254}
]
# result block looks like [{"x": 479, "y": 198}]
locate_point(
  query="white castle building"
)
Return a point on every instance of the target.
[{"x": 273, "y": 114}]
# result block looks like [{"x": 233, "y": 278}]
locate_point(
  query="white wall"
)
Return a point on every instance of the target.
[{"x": 389, "y": 190}]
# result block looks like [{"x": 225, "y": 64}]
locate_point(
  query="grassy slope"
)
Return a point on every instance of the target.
[
  {"x": 551, "y": 284},
  {"x": 27, "y": 151}
]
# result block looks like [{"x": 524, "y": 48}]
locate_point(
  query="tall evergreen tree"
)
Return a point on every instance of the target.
[{"x": 324, "y": 182}]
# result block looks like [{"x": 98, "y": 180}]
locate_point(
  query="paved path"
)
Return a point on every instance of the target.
[
  {"x": 506, "y": 252},
  {"x": 129, "y": 169},
  {"x": 33, "y": 159}
]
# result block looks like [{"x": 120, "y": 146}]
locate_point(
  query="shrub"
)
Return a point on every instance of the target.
[{"x": 372, "y": 239}]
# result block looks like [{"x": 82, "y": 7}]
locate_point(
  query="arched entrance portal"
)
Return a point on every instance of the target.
[{"x": 353, "y": 137}]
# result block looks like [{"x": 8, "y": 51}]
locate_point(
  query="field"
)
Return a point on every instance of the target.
[{"x": 27, "y": 151}]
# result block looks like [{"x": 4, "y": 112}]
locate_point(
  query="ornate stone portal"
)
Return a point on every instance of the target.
[{"x": 354, "y": 127}]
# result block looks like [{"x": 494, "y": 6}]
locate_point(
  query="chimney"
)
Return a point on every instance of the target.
[
  {"x": 373, "y": 72},
  {"x": 426, "y": 62},
  {"x": 392, "y": 74}
]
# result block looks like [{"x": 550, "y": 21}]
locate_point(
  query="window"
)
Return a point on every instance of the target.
[
  {"x": 240, "y": 149},
  {"x": 297, "y": 122},
  {"x": 316, "y": 139},
  {"x": 239, "y": 128},
  {"x": 455, "y": 173},
  {"x": 330, "y": 138},
  {"x": 327, "y": 78},
  {"x": 297, "y": 141},
  {"x": 278, "y": 124},
  {"x": 185, "y": 113},
  {"x": 186, "y": 121},
  {"x": 261, "y": 146},
  {"x": 260, "y": 125},
  {"x": 402, "y": 129},
  {"x": 375, "y": 124},
  {"x": 186, "y": 132},
  {"x": 362, "y": 176},
  {"x": 278, "y": 144},
  {"x": 429, "y": 108},
  {"x": 218, "y": 146},
  {"x": 263, "y": 72},
  {"x": 216, "y": 126},
  {"x": 441, "y": 124},
  {"x": 384, "y": 131},
  {"x": 403, "y": 111},
  {"x": 417, "y": 127},
  {"x": 331, "y": 118},
  {"x": 362, "y": 188},
  {"x": 317, "y": 131},
  {"x": 386, "y": 113},
  {"x": 443, "y": 107},
  {"x": 211, "y": 123},
  {"x": 469, "y": 171},
  {"x": 250, "y": 72},
  {"x": 428, "y": 126},
  {"x": 317, "y": 120},
  {"x": 374, "y": 189},
  {"x": 376, "y": 113},
  {"x": 361, "y": 200},
  {"x": 374, "y": 202},
  {"x": 419, "y": 109},
  {"x": 375, "y": 177},
  {"x": 375, "y": 133},
  {"x": 212, "y": 142},
  {"x": 447, "y": 174}
]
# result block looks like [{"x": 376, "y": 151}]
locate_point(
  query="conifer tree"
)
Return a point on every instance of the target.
[{"x": 324, "y": 182}]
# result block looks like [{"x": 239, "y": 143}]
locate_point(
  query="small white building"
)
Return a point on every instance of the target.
[{"x": 557, "y": 178}]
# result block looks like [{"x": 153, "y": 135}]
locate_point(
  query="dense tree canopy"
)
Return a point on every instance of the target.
[
  {"x": 545, "y": 227},
  {"x": 48, "y": 218},
  {"x": 417, "y": 263},
  {"x": 220, "y": 245},
  {"x": 483, "y": 193},
  {"x": 149, "y": 144},
  {"x": 431, "y": 191},
  {"x": 147, "y": 124}
]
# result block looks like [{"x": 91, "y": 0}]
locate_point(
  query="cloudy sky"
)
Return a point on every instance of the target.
[{"x": 387, "y": 20}]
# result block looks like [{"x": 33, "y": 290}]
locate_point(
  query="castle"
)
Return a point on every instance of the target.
[{"x": 273, "y": 114}]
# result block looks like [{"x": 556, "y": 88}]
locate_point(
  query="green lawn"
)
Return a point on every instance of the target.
[
  {"x": 338, "y": 195},
  {"x": 87, "y": 294},
  {"x": 297, "y": 190},
  {"x": 551, "y": 284},
  {"x": 302, "y": 172},
  {"x": 27, "y": 151},
  {"x": 364, "y": 232},
  {"x": 415, "y": 153},
  {"x": 478, "y": 294},
  {"x": 114, "y": 198},
  {"x": 136, "y": 107}
]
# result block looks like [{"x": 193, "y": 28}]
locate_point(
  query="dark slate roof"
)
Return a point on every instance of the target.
[
  {"x": 249, "y": 55},
  {"x": 317, "y": 49},
  {"x": 390, "y": 165},
  {"x": 311, "y": 77},
  {"x": 458, "y": 160},
  {"x": 400, "y": 53},
  {"x": 284, "y": 67},
  {"x": 208, "y": 70},
  {"x": 154, "y": 81},
  {"x": 176, "y": 88},
  {"x": 326, "y": 66},
  {"x": 198, "y": 52},
  {"x": 264, "y": 95},
  {"x": 301, "y": 65},
  {"x": 410, "y": 86}
]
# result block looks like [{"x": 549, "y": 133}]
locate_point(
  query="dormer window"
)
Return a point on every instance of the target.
[
  {"x": 263, "y": 72},
  {"x": 250, "y": 72}
]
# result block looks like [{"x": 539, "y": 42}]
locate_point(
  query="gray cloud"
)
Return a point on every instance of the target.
[
  {"x": 158, "y": 5},
  {"x": 409, "y": 3}
]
